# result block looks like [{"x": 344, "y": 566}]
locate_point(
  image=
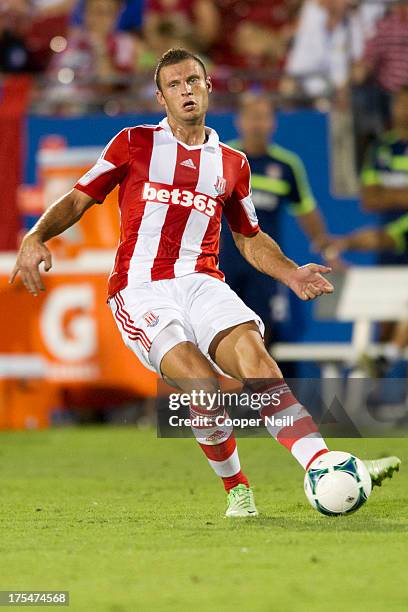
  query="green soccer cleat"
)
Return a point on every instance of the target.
[
  {"x": 241, "y": 502},
  {"x": 380, "y": 469}
]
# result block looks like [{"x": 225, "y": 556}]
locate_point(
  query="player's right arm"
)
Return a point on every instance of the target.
[
  {"x": 56, "y": 219},
  {"x": 109, "y": 170}
]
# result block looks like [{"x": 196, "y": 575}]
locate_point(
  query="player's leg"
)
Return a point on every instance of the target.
[
  {"x": 240, "y": 352},
  {"x": 165, "y": 345},
  {"x": 187, "y": 368},
  {"x": 226, "y": 331}
]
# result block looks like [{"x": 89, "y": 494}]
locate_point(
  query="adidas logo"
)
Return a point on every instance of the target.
[{"x": 188, "y": 163}]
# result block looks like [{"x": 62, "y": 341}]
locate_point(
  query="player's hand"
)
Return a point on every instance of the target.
[
  {"x": 31, "y": 254},
  {"x": 308, "y": 283}
]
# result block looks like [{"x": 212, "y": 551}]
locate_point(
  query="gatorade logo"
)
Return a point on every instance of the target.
[
  {"x": 180, "y": 197},
  {"x": 67, "y": 325}
]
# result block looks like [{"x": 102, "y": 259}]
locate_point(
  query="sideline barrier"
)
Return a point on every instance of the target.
[{"x": 65, "y": 337}]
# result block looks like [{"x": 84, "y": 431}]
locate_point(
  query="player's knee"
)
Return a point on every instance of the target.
[
  {"x": 179, "y": 360},
  {"x": 257, "y": 363},
  {"x": 184, "y": 359}
]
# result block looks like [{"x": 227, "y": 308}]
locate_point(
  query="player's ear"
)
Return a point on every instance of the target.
[
  {"x": 160, "y": 98},
  {"x": 208, "y": 82}
]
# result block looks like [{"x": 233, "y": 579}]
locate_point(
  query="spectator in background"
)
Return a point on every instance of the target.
[
  {"x": 385, "y": 60},
  {"x": 97, "y": 56},
  {"x": 163, "y": 36},
  {"x": 329, "y": 38},
  {"x": 385, "y": 173},
  {"x": 392, "y": 237},
  {"x": 254, "y": 35},
  {"x": 195, "y": 21},
  {"x": 14, "y": 25},
  {"x": 49, "y": 19},
  {"x": 385, "y": 191},
  {"x": 130, "y": 18},
  {"x": 52, "y": 8},
  {"x": 279, "y": 182}
]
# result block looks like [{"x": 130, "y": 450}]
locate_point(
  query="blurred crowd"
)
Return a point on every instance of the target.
[{"x": 88, "y": 50}]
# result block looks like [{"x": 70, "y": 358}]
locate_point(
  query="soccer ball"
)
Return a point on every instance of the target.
[{"x": 337, "y": 483}]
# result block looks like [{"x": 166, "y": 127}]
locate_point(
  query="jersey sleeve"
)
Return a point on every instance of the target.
[
  {"x": 109, "y": 169},
  {"x": 300, "y": 196},
  {"x": 239, "y": 209}
]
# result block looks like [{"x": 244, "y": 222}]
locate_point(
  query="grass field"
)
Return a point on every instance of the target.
[{"x": 127, "y": 522}]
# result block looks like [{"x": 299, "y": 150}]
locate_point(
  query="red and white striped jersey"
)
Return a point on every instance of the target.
[{"x": 171, "y": 199}]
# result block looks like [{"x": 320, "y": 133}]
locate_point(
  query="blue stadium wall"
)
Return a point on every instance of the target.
[{"x": 306, "y": 133}]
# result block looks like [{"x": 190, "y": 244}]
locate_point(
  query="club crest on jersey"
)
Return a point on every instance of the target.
[
  {"x": 151, "y": 319},
  {"x": 220, "y": 185}
]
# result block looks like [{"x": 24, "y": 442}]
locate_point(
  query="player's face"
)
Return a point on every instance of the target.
[
  {"x": 256, "y": 121},
  {"x": 400, "y": 110},
  {"x": 185, "y": 91}
]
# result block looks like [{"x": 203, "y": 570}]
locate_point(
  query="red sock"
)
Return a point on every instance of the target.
[
  {"x": 224, "y": 460},
  {"x": 232, "y": 481},
  {"x": 288, "y": 421},
  {"x": 323, "y": 451}
]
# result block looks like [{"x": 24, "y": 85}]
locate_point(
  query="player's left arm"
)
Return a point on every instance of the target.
[
  {"x": 261, "y": 251},
  {"x": 264, "y": 254}
]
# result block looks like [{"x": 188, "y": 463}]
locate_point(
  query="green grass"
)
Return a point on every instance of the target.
[{"x": 126, "y": 522}]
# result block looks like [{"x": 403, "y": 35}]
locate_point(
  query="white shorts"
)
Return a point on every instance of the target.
[{"x": 200, "y": 305}]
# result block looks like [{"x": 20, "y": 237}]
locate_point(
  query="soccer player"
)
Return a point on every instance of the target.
[
  {"x": 166, "y": 291},
  {"x": 278, "y": 182}
]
